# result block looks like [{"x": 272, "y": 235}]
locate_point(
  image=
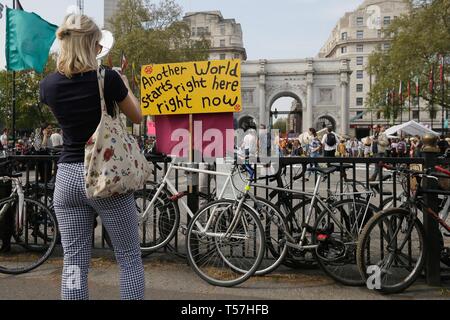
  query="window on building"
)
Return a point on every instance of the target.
[
  {"x": 222, "y": 42},
  {"x": 222, "y": 30},
  {"x": 360, "y": 34},
  {"x": 359, "y": 48},
  {"x": 415, "y": 114},
  {"x": 237, "y": 56},
  {"x": 386, "y": 46},
  {"x": 359, "y": 21},
  {"x": 359, "y": 74},
  {"x": 343, "y": 49},
  {"x": 359, "y": 61},
  {"x": 359, "y": 101},
  {"x": 379, "y": 33},
  {"x": 359, "y": 87},
  {"x": 387, "y": 20},
  {"x": 193, "y": 31},
  {"x": 378, "y": 115},
  {"x": 344, "y": 36},
  {"x": 223, "y": 56},
  {"x": 359, "y": 114}
]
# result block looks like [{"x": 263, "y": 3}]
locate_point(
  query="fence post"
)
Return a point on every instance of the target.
[
  {"x": 430, "y": 152},
  {"x": 192, "y": 184}
]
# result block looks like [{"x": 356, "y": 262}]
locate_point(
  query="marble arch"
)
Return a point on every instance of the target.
[{"x": 320, "y": 85}]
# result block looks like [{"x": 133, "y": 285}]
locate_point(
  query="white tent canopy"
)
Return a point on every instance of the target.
[{"x": 411, "y": 128}]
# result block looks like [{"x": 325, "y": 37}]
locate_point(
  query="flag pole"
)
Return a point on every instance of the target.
[
  {"x": 14, "y": 99},
  {"x": 441, "y": 76}
]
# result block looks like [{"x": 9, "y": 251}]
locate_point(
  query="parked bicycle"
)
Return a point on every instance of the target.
[{"x": 394, "y": 239}]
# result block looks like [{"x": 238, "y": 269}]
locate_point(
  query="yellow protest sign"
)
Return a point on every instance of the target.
[{"x": 191, "y": 87}]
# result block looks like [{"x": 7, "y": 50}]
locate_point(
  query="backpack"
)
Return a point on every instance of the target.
[{"x": 331, "y": 139}]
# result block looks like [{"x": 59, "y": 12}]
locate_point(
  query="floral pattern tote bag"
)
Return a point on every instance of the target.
[{"x": 113, "y": 162}]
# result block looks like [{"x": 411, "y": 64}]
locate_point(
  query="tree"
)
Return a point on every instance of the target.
[
  {"x": 417, "y": 40},
  {"x": 150, "y": 33},
  {"x": 30, "y": 113}
]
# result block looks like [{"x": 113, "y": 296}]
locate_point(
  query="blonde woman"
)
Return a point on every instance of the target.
[{"x": 72, "y": 93}]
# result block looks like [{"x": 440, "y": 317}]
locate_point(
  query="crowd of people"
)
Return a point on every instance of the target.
[
  {"x": 376, "y": 145},
  {"x": 47, "y": 137}
]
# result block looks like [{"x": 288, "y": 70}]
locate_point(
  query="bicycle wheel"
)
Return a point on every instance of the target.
[
  {"x": 295, "y": 258},
  {"x": 336, "y": 234},
  {"x": 162, "y": 221},
  {"x": 275, "y": 230},
  {"x": 392, "y": 244},
  {"x": 216, "y": 250},
  {"x": 27, "y": 238}
]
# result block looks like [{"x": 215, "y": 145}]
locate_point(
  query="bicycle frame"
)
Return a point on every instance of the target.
[
  {"x": 166, "y": 182},
  {"x": 17, "y": 190}
]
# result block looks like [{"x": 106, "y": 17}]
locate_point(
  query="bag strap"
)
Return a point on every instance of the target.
[{"x": 101, "y": 88}]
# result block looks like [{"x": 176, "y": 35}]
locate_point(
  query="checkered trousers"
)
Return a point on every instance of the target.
[{"x": 75, "y": 214}]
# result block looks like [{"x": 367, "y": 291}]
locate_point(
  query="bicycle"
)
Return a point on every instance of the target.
[
  {"x": 333, "y": 236},
  {"x": 29, "y": 228},
  {"x": 393, "y": 239},
  {"x": 224, "y": 246}
]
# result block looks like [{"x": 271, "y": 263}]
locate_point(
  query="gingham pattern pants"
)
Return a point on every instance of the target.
[{"x": 75, "y": 214}]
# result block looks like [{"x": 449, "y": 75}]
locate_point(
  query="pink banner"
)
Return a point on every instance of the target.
[{"x": 209, "y": 134}]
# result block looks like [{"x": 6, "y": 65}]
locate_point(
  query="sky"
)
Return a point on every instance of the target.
[{"x": 272, "y": 29}]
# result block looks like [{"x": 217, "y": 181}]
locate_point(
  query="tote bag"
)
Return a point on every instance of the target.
[{"x": 113, "y": 162}]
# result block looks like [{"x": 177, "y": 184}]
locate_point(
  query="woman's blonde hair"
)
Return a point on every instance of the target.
[{"x": 78, "y": 36}]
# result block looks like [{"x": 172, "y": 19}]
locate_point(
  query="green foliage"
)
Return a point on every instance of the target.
[
  {"x": 150, "y": 33},
  {"x": 280, "y": 124},
  {"x": 417, "y": 40},
  {"x": 29, "y": 112}
]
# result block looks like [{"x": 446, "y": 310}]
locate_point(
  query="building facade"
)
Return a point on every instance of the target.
[
  {"x": 355, "y": 37},
  {"x": 110, "y": 7},
  {"x": 320, "y": 88},
  {"x": 224, "y": 35}
]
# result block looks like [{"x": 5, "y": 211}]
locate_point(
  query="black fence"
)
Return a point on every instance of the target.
[{"x": 39, "y": 176}]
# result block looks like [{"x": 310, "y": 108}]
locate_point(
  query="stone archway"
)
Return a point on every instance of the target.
[{"x": 286, "y": 106}]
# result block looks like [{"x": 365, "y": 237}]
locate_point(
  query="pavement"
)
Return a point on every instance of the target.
[{"x": 169, "y": 277}]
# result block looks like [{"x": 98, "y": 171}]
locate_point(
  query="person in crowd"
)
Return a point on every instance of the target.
[
  {"x": 296, "y": 149},
  {"x": 315, "y": 146},
  {"x": 442, "y": 144},
  {"x": 77, "y": 77},
  {"x": 341, "y": 149},
  {"x": 354, "y": 146},
  {"x": 360, "y": 149},
  {"x": 394, "y": 145},
  {"x": 249, "y": 144},
  {"x": 4, "y": 139},
  {"x": 401, "y": 148},
  {"x": 56, "y": 139},
  {"x": 379, "y": 143},
  {"x": 330, "y": 142}
]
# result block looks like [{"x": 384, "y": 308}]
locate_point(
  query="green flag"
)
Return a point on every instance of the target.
[{"x": 28, "y": 40}]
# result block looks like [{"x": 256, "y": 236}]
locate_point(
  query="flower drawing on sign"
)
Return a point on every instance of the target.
[
  {"x": 237, "y": 107},
  {"x": 90, "y": 141},
  {"x": 107, "y": 155},
  {"x": 116, "y": 179},
  {"x": 148, "y": 69}
]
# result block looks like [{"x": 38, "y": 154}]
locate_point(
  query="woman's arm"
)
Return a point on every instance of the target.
[{"x": 130, "y": 105}]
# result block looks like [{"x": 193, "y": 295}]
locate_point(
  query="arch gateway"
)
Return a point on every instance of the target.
[{"x": 321, "y": 86}]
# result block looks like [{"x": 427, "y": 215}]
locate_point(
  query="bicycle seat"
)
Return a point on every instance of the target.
[
  {"x": 344, "y": 166},
  {"x": 327, "y": 170}
]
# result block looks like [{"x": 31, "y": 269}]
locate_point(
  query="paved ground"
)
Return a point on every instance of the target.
[{"x": 170, "y": 278}]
